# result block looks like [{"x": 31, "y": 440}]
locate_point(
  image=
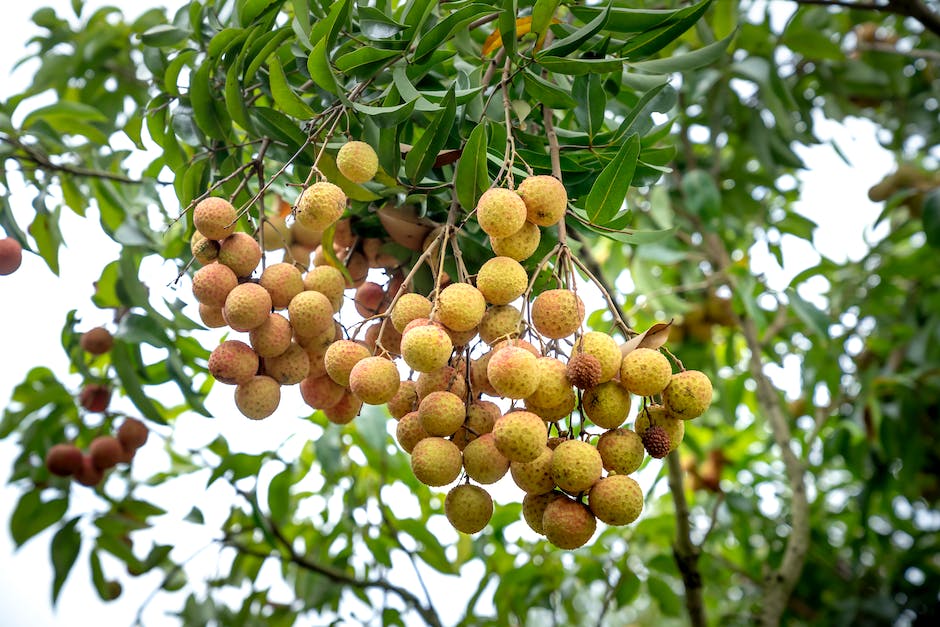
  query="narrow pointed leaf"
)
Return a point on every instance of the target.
[
  {"x": 572, "y": 42},
  {"x": 472, "y": 177},
  {"x": 289, "y": 102},
  {"x": 609, "y": 190},
  {"x": 422, "y": 155}
]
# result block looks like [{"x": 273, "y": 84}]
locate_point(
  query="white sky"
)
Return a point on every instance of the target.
[{"x": 36, "y": 302}]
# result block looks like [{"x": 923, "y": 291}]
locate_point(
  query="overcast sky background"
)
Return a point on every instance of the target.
[{"x": 33, "y": 303}]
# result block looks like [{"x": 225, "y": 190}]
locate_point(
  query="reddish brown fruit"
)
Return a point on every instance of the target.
[
  {"x": 88, "y": 474},
  {"x": 95, "y": 397},
  {"x": 132, "y": 434},
  {"x": 105, "y": 452},
  {"x": 656, "y": 442},
  {"x": 97, "y": 341},
  {"x": 583, "y": 370},
  {"x": 63, "y": 460},
  {"x": 11, "y": 255}
]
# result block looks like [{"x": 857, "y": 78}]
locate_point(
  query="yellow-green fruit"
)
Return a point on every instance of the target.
[
  {"x": 321, "y": 392},
  {"x": 290, "y": 367},
  {"x": 533, "y": 508},
  {"x": 500, "y": 322},
  {"x": 481, "y": 416},
  {"x": 357, "y": 161},
  {"x": 283, "y": 281},
  {"x": 616, "y": 500},
  {"x": 553, "y": 388},
  {"x": 305, "y": 236},
  {"x": 483, "y": 461},
  {"x": 545, "y": 199},
  {"x": 621, "y": 451},
  {"x": 468, "y": 508},
  {"x": 275, "y": 233},
  {"x": 215, "y": 218},
  {"x": 211, "y": 316},
  {"x": 212, "y": 284},
  {"x": 241, "y": 253},
  {"x": 446, "y": 379},
  {"x": 645, "y": 372},
  {"x": 320, "y": 205},
  {"x": 479, "y": 381},
  {"x": 311, "y": 313},
  {"x": 576, "y": 466},
  {"x": 502, "y": 280},
  {"x": 404, "y": 401},
  {"x": 409, "y": 431},
  {"x": 436, "y": 461},
  {"x": 498, "y": 346},
  {"x": 535, "y": 477},
  {"x": 247, "y": 307},
  {"x": 688, "y": 394},
  {"x": 233, "y": 362},
  {"x": 328, "y": 281},
  {"x": 520, "y": 245},
  {"x": 258, "y": 397},
  {"x": 567, "y": 524},
  {"x": 460, "y": 306},
  {"x": 606, "y": 405},
  {"x": 409, "y": 307},
  {"x": 441, "y": 413},
  {"x": 513, "y": 372},
  {"x": 340, "y": 358},
  {"x": 204, "y": 250},
  {"x": 520, "y": 436},
  {"x": 426, "y": 348},
  {"x": 604, "y": 348},
  {"x": 557, "y": 313},
  {"x": 500, "y": 212},
  {"x": 555, "y": 412},
  {"x": 658, "y": 415},
  {"x": 345, "y": 410},
  {"x": 273, "y": 337},
  {"x": 460, "y": 338},
  {"x": 374, "y": 380}
]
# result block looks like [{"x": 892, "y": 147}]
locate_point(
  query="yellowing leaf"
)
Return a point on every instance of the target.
[{"x": 523, "y": 27}]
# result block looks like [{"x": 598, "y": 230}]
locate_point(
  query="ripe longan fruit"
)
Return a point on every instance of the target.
[
  {"x": 557, "y": 313},
  {"x": 374, "y": 380},
  {"x": 568, "y": 524},
  {"x": 520, "y": 245},
  {"x": 460, "y": 306},
  {"x": 63, "y": 460},
  {"x": 645, "y": 372},
  {"x": 204, "y": 251},
  {"x": 241, "y": 253},
  {"x": 233, "y": 362},
  {"x": 321, "y": 392},
  {"x": 520, "y": 436},
  {"x": 132, "y": 434},
  {"x": 500, "y": 212},
  {"x": 272, "y": 337},
  {"x": 328, "y": 281},
  {"x": 258, "y": 397},
  {"x": 468, "y": 508},
  {"x": 105, "y": 451},
  {"x": 246, "y": 307},
  {"x": 357, "y": 161},
  {"x": 688, "y": 394},
  {"x": 340, "y": 358},
  {"x": 95, "y": 397},
  {"x": 11, "y": 255},
  {"x": 436, "y": 461},
  {"x": 345, "y": 411},
  {"x": 320, "y": 205},
  {"x": 215, "y": 218},
  {"x": 290, "y": 367},
  {"x": 483, "y": 461},
  {"x": 616, "y": 500},
  {"x": 97, "y": 341},
  {"x": 426, "y": 348},
  {"x": 545, "y": 198},
  {"x": 283, "y": 281},
  {"x": 502, "y": 280},
  {"x": 212, "y": 284}
]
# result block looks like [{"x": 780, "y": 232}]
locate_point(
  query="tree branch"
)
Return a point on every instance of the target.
[
  {"x": 684, "y": 552},
  {"x": 43, "y": 162},
  {"x": 909, "y": 8}
]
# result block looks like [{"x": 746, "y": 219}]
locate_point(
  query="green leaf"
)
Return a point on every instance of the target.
[
  {"x": 651, "y": 42},
  {"x": 507, "y": 26},
  {"x": 472, "y": 177},
  {"x": 202, "y": 101},
  {"x": 223, "y": 40},
  {"x": 572, "y": 42},
  {"x": 97, "y": 576},
  {"x": 542, "y": 13},
  {"x": 326, "y": 30},
  {"x": 931, "y": 218},
  {"x": 667, "y": 599},
  {"x": 64, "y": 110},
  {"x": 546, "y": 92},
  {"x": 444, "y": 29},
  {"x": 609, "y": 190},
  {"x": 386, "y": 117},
  {"x": 249, "y": 10},
  {"x": 706, "y": 55},
  {"x": 376, "y": 25},
  {"x": 279, "y": 495},
  {"x": 635, "y": 237},
  {"x": 362, "y": 60},
  {"x": 164, "y": 36},
  {"x": 272, "y": 41},
  {"x": 424, "y": 152},
  {"x": 173, "y": 69},
  {"x": 625, "y": 21},
  {"x": 576, "y": 67},
  {"x": 64, "y": 550},
  {"x": 318, "y": 64},
  {"x": 32, "y": 516},
  {"x": 284, "y": 96},
  {"x": 45, "y": 231},
  {"x": 592, "y": 102},
  {"x": 701, "y": 194},
  {"x": 810, "y": 314},
  {"x": 130, "y": 380},
  {"x": 234, "y": 101}
]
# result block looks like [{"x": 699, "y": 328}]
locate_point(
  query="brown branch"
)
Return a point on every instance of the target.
[
  {"x": 43, "y": 162},
  {"x": 909, "y": 8},
  {"x": 684, "y": 552}
]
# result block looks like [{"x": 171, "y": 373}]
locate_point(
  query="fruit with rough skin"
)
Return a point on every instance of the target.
[
  {"x": 369, "y": 300},
  {"x": 340, "y": 358},
  {"x": 204, "y": 251},
  {"x": 357, "y": 161},
  {"x": 310, "y": 313},
  {"x": 358, "y": 269},
  {"x": 442, "y": 413},
  {"x": 606, "y": 405},
  {"x": 63, "y": 460},
  {"x": 321, "y": 392},
  {"x": 555, "y": 412},
  {"x": 616, "y": 500},
  {"x": 481, "y": 417},
  {"x": 533, "y": 508},
  {"x": 409, "y": 307},
  {"x": 233, "y": 362},
  {"x": 105, "y": 451},
  {"x": 95, "y": 397},
  {"x": 688, "y": 394},
  {"x": 645, "y": 372},
  {"x": 211, "y": 317},
  {"x": 436, "y": 461},
  {"x": 290, "y": 367},
  {"x": 583, "y": 371},
  {"x": 460, "y": 306},
  {"x": 553, "y": 385},
  {"x": 215, "y": 218},
  {"x": 345, "y": 411},
  {"x": 275, "y": 233},
  {"x": 212, "y": 284},
  {"x": 97, "y": 341},
  {"x": 426, "y": 348},
  {"x": 460, "y": 338},
  {"x": 404, "y": 401},
  {"x": 272, "y": 337},
  {"x": 246, "y": 307},
  {"x": 535, "y": 477},
  {"x": 478, "y": 379},
  {"x": 320, "y": 205},
  {"x": 520, "y": 436},
  {"x": 557, "y": 313},
  {"x": 545, "y": 198},
  {"x": 328, "y": 281},
  {"x": 391, "y": 338},
  {"x": 502, "y": 280},
  {"x": 283, "y": 281},
  {"x": 621, "y": 451},
  {"x": 576, "y": 466},
  {"x": 604, "y": 348},
  {"x": 468, "y": 508},
  {"x": 656, "y": 441},
  {"x": 374, "y": 380},
  {"x": 657, "y": 415},
  {"x": 446, "y": 379},
  {"x": 132, "y": 434},
  {"x": 258, "y": 397},
  {"x": 513, "y": 372},
  {"x": 500, "y": 322},
  {"x": 88, "y": 475},
  {"x": 498, "y": 346},
  {"x": 482, "y": 460},
  {"x": 409, "y": 431},
  {"x": 567, "y": 523},
  {"x": 500, "y": 212},
  {"x": 520, "y": 245},
  {"x": 241, "y": 253}
]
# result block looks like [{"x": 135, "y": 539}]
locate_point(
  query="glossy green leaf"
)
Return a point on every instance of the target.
[
  {"x": 592, "y": 102},
  {"x": 164, "y": 36},
  {"x": 472, "y": 177},
  {"x": 626, "y": 20},
  {"x": 250, "y": 10},
  {"x": 64, "y": 550},
  {"x": 326, "y": 30},
  {"x": 386, "y": 116},
  {"x": 45, "y": 231},
  {"x": 318, "y": 64},
  {"x": 542, "y": 13},
  {"x": 363, "y": 59},
  {"x": 609, "y": 190},
  {"x": 546, "y": 92},
  {"x": 564, "y": 47},
  {"x": 234, "y": 98},
  {"x": 424, "y": 152},
  {"x": 508, "y": 14},
  {"x": 706, "y": 55},
  {"x": 444, "y": 30},
  {"x": 576, "y": 67},
  {"x": 133, "y": 386},
  {"x": 376, "y": 25},
  {"x": 651, "y": 42},
  {"x": 203, "y": 103},
  {"x": 289, "y": 102},
  {"x": 269, "y": 42}
]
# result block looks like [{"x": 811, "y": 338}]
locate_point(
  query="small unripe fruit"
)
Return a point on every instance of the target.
[
  {"x": 568, "y": 524},
  {"x": 520, "y": 245},
  {"x": 132, "y": 434},
  {"x": 513, "y": 372},
  {"x": 97, "y": 341},
  {"x": 409, "y": 307},
  {"x": 688, "y": 394},
  {"x": 645, "y": 372},
  {"x": 283, "y": 281},
  {"x": 328, "y": 281},
  {"x": 606, "y": 405},
  {"x": 500, "y": 212},
  {"x": 95, "y": 397},
  {"x": 616, "y": 500},
  {"x": 533, "y": 508},
  {"x": 502, "y": 280},
  {"x": 11, "y": 255},
  {"x": 468, "y": 508},
  {"x": 320, "y": 205},
  {"x": 374, "y": 380},
  {"x": 409, "y": 431},
  {"x": 215, "y": 218},
  {"x": 545, "y": 199},
  {"x": 460, "y": 306},
  {"x": 233, "y": 362},
  {"x": 357, "y": 161},
  {"x": 241, "y": 253},
  {"x": 311, "y": 313},
  {"x": 340, "y": 358},
  {"x": 345, "y": 410},
  {"x": 483, "y": 461},
  {"x": 105, "y": 452},
  {"x": 247, "y": 307},
  {"x": 583, "y": 371},
  {"x": 520, "y": 436},
  {"x": 426, "y": 348},
  {"x": 273, "y": 337},
  {"x": 212, "y": 284},
  {"x": 535, "y": 477},
  {"x": 436, "y": 461},
  {"x": 258, "y": 398},
  {"x": 557, "y": 313},
  {"x": 204, "y": 251},
  {"x": 621, "y": 451},
  {"x": 321, "y": 392},
  {"x": 404, "y": 401},
  {"x": 500, "y": 322},
  {"x": 576, "y": 466},
  {"x": 290, "y": 367},
  {"x": 63, "y": 460},
  {"x": 441, "y": 413}
]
